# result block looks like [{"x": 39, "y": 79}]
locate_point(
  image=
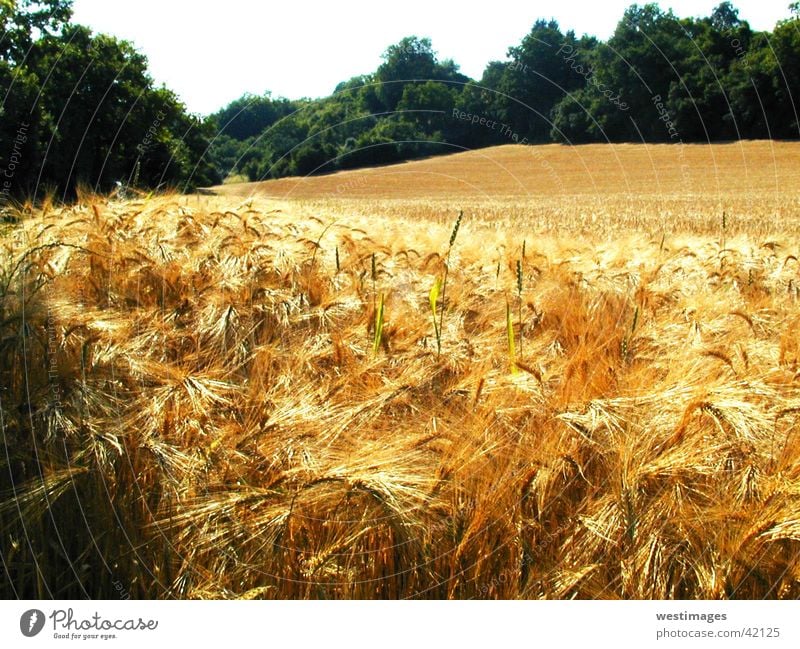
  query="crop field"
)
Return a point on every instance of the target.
[
  {"x": 594, "y": 190},
  {"x": 584, "y": 386}
]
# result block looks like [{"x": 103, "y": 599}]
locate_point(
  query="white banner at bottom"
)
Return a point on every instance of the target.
[{"x": 356, "y": 624}]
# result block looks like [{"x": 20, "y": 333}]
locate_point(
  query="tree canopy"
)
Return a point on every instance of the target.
[
  {"x": 658, "y": 78},
  {"x": 80, "y": 108}
]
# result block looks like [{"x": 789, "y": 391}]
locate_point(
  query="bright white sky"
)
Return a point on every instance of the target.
[{"x": 211, "y": 52}]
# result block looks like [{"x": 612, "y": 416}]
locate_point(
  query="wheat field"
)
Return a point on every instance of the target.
[{"x": 584, "y": 388}]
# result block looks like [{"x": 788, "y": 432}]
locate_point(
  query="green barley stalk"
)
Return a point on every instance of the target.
[
  {"x": 376, "y": 343},
  {"x": 447, "y": 270},
  {"x": 512, "y": 355},
  {"x": 374, "y": 279},
  {"x": 519, "y": 297},
  {"x": 723, "y": 241},
  {"x": 433, "y": 297}
]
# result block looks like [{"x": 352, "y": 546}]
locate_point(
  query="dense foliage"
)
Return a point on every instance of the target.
[
  {"x": 659, "y": 78},
  {"x": 79, "y": 109}
]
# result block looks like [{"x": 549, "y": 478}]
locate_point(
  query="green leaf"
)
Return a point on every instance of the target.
[
  {"x": 512, "y": 353},
  {"x": 434, "y": 294},
  {"x": 433, "y": 297},
  {"x": 378, "y": 327}
]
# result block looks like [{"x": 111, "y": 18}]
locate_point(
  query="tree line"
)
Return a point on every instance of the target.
[
  {"x": 80, "y": 108},
  {"x": 658, "y": 78}
]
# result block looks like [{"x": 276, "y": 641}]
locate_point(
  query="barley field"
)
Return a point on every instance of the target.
[{"x": 498, "y": 374}]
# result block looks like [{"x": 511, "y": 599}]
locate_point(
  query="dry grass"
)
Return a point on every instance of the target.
[{"x": 192, "y": 406}]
